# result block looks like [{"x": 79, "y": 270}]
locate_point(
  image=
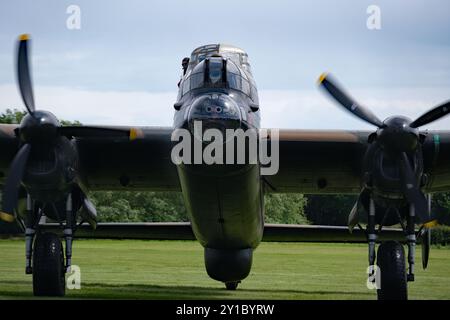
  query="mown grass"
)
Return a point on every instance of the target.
[{"x": 133, "y": 269}]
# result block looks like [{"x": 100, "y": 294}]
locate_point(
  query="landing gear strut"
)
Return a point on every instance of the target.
[
  {"x": 391, "y": 257},
  {"x": 45, "y": 255},
  {"x": 411, "y": 237},
  {"x": 31, "y": 221},
  {"x": 68, "y": 232}
]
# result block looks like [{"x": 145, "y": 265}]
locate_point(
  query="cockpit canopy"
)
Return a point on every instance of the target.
[
  {"x": 219, "y": 66},
  {"x": 218, "y": 72},
  {"x": 237, "y": 55}
]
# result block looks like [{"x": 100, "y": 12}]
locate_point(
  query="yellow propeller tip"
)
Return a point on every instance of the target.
[
  {"x": 431, "y": 224},
  {"x": 24, "y": 37},
  {"x": 322, "y": 77},
  {"x": 135, "y": 133},
  {"x": 6, "y": 217}
]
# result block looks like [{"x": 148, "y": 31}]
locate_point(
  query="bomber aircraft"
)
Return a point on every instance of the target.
[{"x": 47, "y": 168}]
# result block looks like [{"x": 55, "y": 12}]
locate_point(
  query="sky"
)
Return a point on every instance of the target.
[{"x": 122, "y": 66}]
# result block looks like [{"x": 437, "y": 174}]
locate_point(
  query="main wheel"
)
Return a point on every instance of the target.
[
  {"x": 231, "y": 285},
  {"x": 48, "y": 266},
  {"x": 391, "y": 264}
]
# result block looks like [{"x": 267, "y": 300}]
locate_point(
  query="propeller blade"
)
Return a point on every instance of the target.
[
  {"x": 89, "y": 213},
  {"x": 425, "y": 235},
  {"x": 23, "y": 74},
  {"x": 412, "y": 192},
  {"x": 426, "y": 244},
  {"x": 96, "y": 132},
  {"x": 358, "y": 209},
  {"x": 11, "y": 188},
  {"x": 330, "y": 85},
  {"x": 353, "y": 217},
  {"x": 432, "y": 115}
]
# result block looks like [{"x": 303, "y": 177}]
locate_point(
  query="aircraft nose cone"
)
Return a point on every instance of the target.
[{"x": 215, "y": 111}]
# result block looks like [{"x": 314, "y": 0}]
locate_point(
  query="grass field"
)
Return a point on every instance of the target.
[{"x": 130, "y": 269}]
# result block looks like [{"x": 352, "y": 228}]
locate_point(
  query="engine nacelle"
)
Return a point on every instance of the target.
[
  {"x": 384, "y": 175},
  {"x": 51, "y": 171}
]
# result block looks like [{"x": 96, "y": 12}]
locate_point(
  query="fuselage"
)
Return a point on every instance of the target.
[{"x": 224, "y": 201}]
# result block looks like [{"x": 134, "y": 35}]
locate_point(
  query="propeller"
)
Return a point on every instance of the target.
[
  {"x": 15, "y": 175},
  {"x": 331, "y": 86},
  {"x": 348, "y": 102},
  {"x": 432, "y": 115},
  {"x": 23, "y": 74},
  {"x": 426, "y": 244},
  {"x": 39, "y": 130},
  {"x": 399, "y": 135}
]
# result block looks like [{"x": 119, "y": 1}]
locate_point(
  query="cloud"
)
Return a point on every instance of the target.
[
  {"x": 279, "y": 108},
  {"x": 315, "y": 110},
  {"x": 98, "y": 107}
]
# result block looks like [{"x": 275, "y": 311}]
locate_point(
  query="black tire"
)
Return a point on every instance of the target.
[
  {"x": 392, "y": 265},
  {"x": 232, "y": 285},
  {"x": 48, "y": 266}
]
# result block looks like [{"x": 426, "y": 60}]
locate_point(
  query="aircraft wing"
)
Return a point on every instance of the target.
[
  {"x": 113, "y": 163},
  {"x": 318, "y": 162},
  {"x": 140, "y": 164},
  {"x": 307, "y": 159},
  {"x": 330, "y": 161},
  {"x": 9, "y": 145},
  {"x": 310, "y": 161}
]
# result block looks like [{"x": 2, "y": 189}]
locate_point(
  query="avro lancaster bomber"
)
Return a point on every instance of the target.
[{"x": 50, "y": 169}]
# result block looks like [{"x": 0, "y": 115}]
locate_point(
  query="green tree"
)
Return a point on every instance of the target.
[
  {"x": 160, "y": 206},
  {"x": 131, "y": 206},
  {"x": 329, "y": 209},
  {"x": 70, "y": 123},
  {"x": 113, "y": 208},
  {"x": 15, "y": 116},
  {"x": 441, "y": 207},
  {"x": 285, "y": 208},
  {"x": 142, "y": 206},
  {"x": 12, "y": 116}
]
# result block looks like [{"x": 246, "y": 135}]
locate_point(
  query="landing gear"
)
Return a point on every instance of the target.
[
  {"x": 48, "y": 266},
  {"x": 391, "y": 264},
  {"x": 44, "y": 251},
  {"x": 232, "y": 285},
  {"x": 411, "y": 238},
  {"x": 390, "y": 258}
]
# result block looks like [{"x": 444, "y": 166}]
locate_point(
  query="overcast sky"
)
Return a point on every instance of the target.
[{"x": 122, "y": 66}]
